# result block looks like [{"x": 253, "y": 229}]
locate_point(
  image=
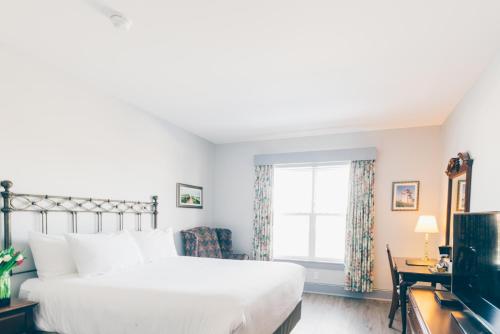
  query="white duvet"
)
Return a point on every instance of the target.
[{"x": 179, "y": 295}]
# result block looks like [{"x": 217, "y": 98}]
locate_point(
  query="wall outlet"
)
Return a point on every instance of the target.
[{"x": 315, "y": 275}]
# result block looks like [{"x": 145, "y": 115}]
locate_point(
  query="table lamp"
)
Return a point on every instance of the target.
[{"x": 426, "y": 224}]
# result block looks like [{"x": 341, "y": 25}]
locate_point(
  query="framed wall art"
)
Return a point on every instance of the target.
[
  {"x": 189, "y": 196},
  {"x": 405, "y": 195}
]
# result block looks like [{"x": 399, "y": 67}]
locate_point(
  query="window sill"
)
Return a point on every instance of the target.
[{"x": 315, "y": 264}]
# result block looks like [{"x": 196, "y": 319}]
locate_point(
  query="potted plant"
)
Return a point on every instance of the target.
[{"x": 9, "y": 259}]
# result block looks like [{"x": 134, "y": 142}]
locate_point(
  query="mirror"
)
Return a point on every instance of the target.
[{"x": 459, "y": 172}]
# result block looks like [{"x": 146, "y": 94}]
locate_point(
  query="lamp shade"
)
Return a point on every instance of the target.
[{"x": 426, "y": 224}]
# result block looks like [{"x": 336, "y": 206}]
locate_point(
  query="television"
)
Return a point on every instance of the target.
[{"x": 476, "y": 266}]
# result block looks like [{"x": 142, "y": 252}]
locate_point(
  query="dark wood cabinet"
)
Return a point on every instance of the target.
[
  {"x": 409, "y": 276},
  {"x": 426, "y": 316},
  {"x": 17, "y": 318}
]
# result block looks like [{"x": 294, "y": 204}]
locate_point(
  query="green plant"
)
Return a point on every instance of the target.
[{"x": 10, "y": 258}]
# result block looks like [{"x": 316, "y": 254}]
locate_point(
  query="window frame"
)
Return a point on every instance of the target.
[{"x": 311, "y": 258}]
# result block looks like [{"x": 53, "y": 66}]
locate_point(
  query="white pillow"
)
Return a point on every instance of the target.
[
  {"x": 96, "y": 254},
  {"x": 51, "y": 255},
  {"x": 155, "y": 244}
]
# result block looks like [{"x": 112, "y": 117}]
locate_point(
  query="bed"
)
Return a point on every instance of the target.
[{"x": 178, "y": 295}]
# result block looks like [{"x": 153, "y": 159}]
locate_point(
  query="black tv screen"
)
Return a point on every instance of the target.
[{"x": 476, "y": 265}]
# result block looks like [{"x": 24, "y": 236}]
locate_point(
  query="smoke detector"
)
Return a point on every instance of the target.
[{"x": 120, "y": 21}]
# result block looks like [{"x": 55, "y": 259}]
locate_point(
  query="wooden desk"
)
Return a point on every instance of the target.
[
  {"x": 426, "y": 316},
  {"x": 412, "y": 274}
]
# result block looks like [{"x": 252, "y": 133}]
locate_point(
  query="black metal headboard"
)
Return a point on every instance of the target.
[{"x": 44, "y": 204}]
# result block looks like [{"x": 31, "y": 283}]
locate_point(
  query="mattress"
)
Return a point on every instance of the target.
[{"x": 179, "y": 295}]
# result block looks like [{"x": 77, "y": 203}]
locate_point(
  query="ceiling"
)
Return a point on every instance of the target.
[{"x": 232, "y": 70}]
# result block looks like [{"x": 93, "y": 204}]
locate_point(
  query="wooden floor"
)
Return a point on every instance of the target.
[{"x": 323, "y": 314}]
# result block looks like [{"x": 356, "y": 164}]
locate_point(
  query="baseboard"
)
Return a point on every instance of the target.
[{"x": 338, "y": 290}]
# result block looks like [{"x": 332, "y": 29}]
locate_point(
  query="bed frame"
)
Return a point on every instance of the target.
[
  {"x": 44, "y": 204},
  {"x": 289, "y": 324}
]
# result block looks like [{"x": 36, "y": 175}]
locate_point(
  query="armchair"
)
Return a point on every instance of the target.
[{"x": 210, "y": 242}]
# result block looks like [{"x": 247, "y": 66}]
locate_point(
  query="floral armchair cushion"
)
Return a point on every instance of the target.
[{"x": 207, "y": 242}]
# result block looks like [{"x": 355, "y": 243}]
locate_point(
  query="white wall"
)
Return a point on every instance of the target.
[
  {"x": 405, "y": 154},
  {"x": 473, "y": 127},
  {"x": 58, "y": 136},
  {"x": 47, "y": 146}
]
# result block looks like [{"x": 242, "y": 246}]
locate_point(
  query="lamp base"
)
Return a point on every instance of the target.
[{"x": 420, "y": 262}]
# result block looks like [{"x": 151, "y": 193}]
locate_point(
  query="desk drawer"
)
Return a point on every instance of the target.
[
  {"x": 414, "y": 325},
  {"x": 415, "y": 320}
]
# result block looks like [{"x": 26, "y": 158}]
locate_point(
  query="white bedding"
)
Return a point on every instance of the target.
[{"x": 179, "y": 295}]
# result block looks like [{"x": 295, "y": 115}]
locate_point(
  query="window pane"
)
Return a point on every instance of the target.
[
  {"x": 291, "y": 236},
  {"x": 330, "y": 237},
  {"x": 331, "y": 189},
  {"x": 293, "y": 190}
]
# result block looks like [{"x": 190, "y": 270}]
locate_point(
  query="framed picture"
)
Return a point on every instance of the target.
[
  {"x": 405, "y": 195},
  {"x": 189, "y": 196},
  {"x": 461, "y": 195}
]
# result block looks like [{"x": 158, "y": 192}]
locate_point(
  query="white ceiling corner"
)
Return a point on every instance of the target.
[{"x": 231, "y": 70}]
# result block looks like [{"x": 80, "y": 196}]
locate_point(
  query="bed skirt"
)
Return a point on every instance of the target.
[
  {"x": 290, "y": 322},
  {"x": 286, "y": 327}
]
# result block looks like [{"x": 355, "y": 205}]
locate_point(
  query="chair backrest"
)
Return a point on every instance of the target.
[
  {"x": 225, "y": 241},
  {"x": 394, "y": 269},
  {"x": 201, "y": 242}
]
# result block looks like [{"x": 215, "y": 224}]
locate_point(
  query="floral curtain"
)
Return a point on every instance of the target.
[
  {"x": 359, "y": 229},
  {"x": 263, "y": 213}
]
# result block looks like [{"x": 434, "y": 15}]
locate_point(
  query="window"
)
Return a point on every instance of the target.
[{"x": 310, "y": 204}]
